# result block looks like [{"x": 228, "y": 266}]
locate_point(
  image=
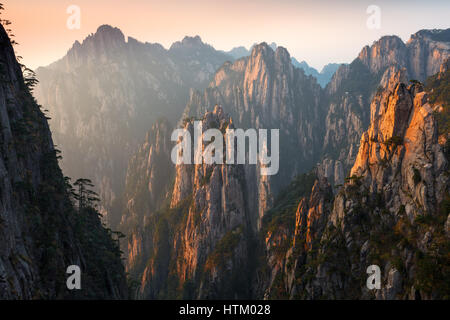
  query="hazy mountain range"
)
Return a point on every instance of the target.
[
  {"x": 224, "y": 224},
  {"x": 107, "y": 78},
  {"x": 363, "y": 173},
  {"x": 323, "y": 77}
]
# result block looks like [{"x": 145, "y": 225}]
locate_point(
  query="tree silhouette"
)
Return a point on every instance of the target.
[
  {"x": 84, "y": 195},
  {"x": 29, "y": 75}
]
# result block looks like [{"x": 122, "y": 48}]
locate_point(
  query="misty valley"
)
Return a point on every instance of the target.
[{"x": 208, "y": 174}]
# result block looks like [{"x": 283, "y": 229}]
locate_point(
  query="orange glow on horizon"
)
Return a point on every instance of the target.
[{"x": 318, "y": 32}]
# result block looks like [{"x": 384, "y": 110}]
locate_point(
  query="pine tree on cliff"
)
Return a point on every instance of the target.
[{"x": 85, "y": 196}]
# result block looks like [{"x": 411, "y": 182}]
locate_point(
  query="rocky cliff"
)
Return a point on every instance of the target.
[
  {"x": 353, "y": 86},
  {"x": 149, "y": 177},
  {"x": 391, "y": 212},
  {"x": 265, "y": 91},
  {"x": 422, "y": 55},
  {"x": 40, "y": 230},
  {"x": 198, "y": 247}
]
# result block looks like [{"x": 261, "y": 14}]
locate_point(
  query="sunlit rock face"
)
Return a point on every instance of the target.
[
  {"x": 203, "y": 236},
  {"x": 390, "y": 212},
  {"x": 353, "y": 86},
  {"x": 422, "y": 54},
  {"x": 402, "y": 144},
  {"x": 400, "y": 174}
]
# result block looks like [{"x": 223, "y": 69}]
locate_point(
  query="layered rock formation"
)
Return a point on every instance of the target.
[
  {"x": 422, "y": 55},
  {"x": 322, "y": 77},
  {"x": 197, "y": 238},
  {"x": 105, "y": 79},
  {"x": 263, "y": 90},
  {"x": 41, "y": 233}
]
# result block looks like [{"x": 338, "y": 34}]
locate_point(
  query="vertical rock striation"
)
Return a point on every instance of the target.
[{"x": 205, "y": 253}]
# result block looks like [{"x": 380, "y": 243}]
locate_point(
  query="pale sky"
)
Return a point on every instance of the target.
[{"x": 317, "y": 31}]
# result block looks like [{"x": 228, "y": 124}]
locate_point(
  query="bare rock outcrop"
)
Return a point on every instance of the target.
[{"x": 207, "y": 251}]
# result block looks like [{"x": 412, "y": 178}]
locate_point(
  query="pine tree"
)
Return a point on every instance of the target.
[{"x": 85, "y": 196}]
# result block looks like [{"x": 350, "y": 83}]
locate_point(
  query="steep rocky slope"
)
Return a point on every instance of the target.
[
  {"x": 104, "y": 95},
  {"x": 322, "y": 77},
  {"x": 149, "y": 177},
  {"x": 41, "y": 233},
  {"x": 353, "y": 86},
  {"x": 198, "y": 247},
  {"x": 422, "y": 55},
  {"x": 391, "y": 212}
]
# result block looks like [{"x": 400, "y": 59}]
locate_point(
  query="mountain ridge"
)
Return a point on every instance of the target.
[{"x": 320, "y": 130}]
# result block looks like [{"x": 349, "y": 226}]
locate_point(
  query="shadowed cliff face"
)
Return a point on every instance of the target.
[
  {"x": 105, "y": 94},
  {"x": 148, "y": 188},
  {"x": 392, "y": 212},
  {"x": 149, "y": 177},
  {"x": 41, "y": 234}
]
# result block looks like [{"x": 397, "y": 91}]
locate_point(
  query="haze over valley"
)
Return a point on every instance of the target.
[{"x": 363, "y": 176}]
